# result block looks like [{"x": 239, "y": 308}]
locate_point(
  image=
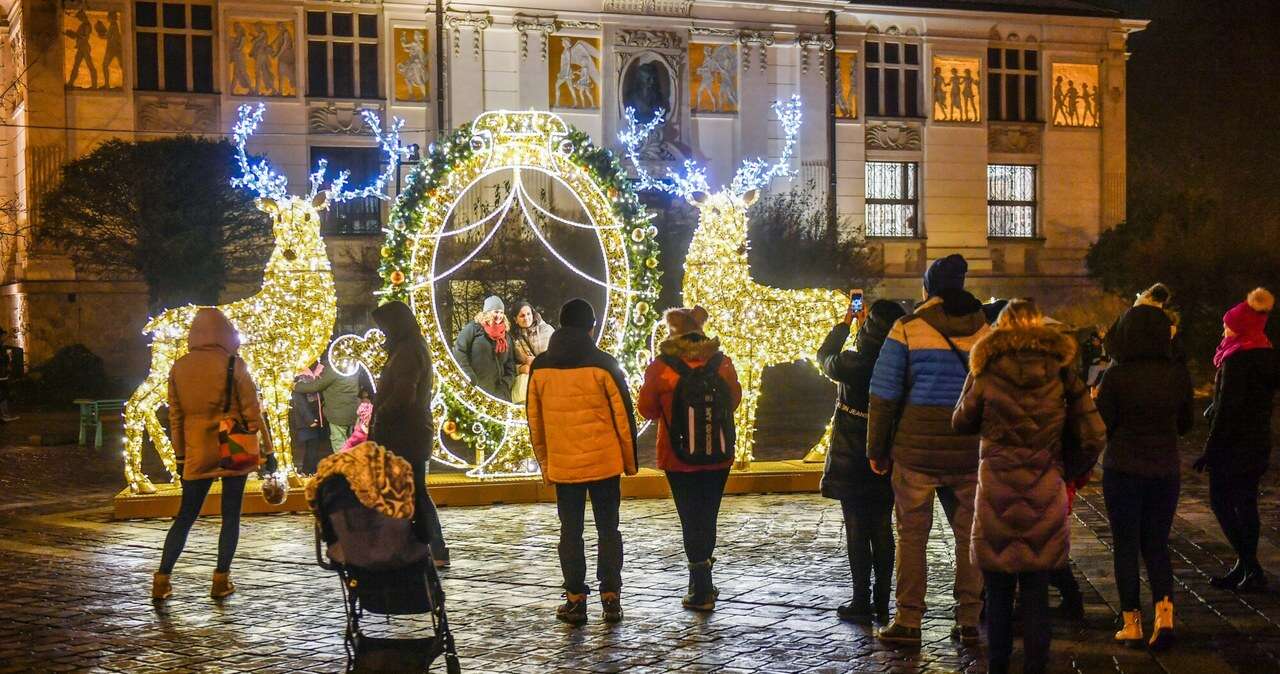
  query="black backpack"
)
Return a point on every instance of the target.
[{"x": 701, "y": 423}]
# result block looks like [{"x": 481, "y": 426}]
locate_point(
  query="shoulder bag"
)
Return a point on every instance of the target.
[{"x": 237, "y": 445}]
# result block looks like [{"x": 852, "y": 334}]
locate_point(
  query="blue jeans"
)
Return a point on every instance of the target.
[{"x": 193, "y": 495}]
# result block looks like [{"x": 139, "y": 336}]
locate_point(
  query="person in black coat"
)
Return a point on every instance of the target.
[
  {"x": 1238, "y": 450},
  {"x": 1146, "y": 402},
  {"x": 402, "y": 412},
  {"x": 865, "y": 498}
]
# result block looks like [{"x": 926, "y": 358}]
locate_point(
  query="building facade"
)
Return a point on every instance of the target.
[{"x": 995, "y": 129}]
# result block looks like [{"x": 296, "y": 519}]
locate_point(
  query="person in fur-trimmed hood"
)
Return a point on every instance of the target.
[
  {"x": 696, "y": 489},
  {"x": 1238, "y": 450},
  {"x": 1022, "y": 391}
]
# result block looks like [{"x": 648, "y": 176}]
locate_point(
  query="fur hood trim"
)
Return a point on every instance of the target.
[
  {"x": 998, "y": 343},
  {"x": 691, "y": 346},
  {"x": 1261, "y": 300}
]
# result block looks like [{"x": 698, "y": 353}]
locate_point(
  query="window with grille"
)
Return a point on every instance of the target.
[
  {"x": 1011, "y": 201},
  {"x": 893, "y": 79},
  {"x": 173, "y": 46},
  {"x": 1013, "y": 85},
  {"x": 342, "y": 55},
  {"x": 893, "y": 198},
  {"x": 357, "y": 216}
]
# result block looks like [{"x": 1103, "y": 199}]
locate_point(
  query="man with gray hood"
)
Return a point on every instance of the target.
[{"x": 917, "y": 380}]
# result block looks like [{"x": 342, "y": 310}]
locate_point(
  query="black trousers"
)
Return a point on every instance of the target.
[
  {"x": 1141, "y": 511},
  {"x": 426, "y": 519},
  {"x": 571, "y": 505},
  {"x": 193, "y": 495},
  {"x": 868, "y": 528},
  {"x": 1234, "y": 499},
  {"x": 1033, "y": 589},
  {"x": 697, "y": 496}
]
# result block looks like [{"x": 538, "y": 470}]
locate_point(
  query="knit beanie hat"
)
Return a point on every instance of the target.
[
  {"x": 1250, "y": 316},
  {"x": 945, "y": 274},
  {"x": 493, "y": 303},
  {"x": 577, "y": 313},
  {"x": 682, "y": 321}
]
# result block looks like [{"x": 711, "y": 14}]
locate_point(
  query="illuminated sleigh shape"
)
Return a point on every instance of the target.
[
  {"x": 757, "y": 325},
  {"x": 520, "y": 142},
  {"x": 283, "y": 327}
]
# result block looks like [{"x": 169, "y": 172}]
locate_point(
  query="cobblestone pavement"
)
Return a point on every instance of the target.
[{"x": 77, "y": 585}]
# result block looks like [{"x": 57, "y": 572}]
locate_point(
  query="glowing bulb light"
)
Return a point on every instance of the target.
[
  {"x": 758, "y": 325},
  {"x": 283, "y": 327}
]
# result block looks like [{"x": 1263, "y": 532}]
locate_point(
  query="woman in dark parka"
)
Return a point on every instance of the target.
[
  {"x": 1238, "y": 450},
  {"x": 402, "y": 412},
  {"x": 865, "y": 498},
  {"x": 1021, "y": 393}
]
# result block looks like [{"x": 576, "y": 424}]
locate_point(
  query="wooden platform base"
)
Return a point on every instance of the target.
[{"x": 453, "y": 489}]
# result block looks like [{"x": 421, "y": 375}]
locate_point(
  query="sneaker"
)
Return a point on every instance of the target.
[
  {"x": 573, "y": 610},
  {"x": 897, "y": 633},
  {"x": 967, "y": 635},
  {"x": 858, "y": 613},
  {"x": 612, "y": 605}
]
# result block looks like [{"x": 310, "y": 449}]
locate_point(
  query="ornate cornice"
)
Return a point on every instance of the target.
[
  {"x": 761, "y": 40},
  {"x": 534, "y": 24},
  {"x": 476, "y": 21},
  {"x": 649, "y": 7},
  {"x": 807, "y": 41},
  {"x": 655, "y": 39}
]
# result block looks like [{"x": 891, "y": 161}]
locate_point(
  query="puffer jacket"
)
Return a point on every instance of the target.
[
  {"x": 847, "y": 474},
  {"x": 1240, "y": 419},
  {"x": 477, "y": 355},
  {"x": 197, "y": 391},
  {"x": 1017, "y": 398},
  {"x": 659, "y": 390},
  {"x": 916, "y": 383},
  {"x": 401, "y": 419},
  {"x": 1145, "y": 399},
  {"x": 581, "y": 421}
]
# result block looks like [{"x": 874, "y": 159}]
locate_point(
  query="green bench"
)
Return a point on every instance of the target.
[{"x": 91, "y": 412}]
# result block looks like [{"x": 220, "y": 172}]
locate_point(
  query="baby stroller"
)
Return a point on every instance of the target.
[{"x": 384, "y": 568}]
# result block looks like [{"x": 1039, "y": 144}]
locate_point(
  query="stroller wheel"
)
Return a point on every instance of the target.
[{"x": 451, "y": 664}]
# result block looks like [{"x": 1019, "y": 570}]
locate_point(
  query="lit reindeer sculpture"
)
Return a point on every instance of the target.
[
  {"x": 283, "y": 327},
  {"x": 758, "y": 325}
]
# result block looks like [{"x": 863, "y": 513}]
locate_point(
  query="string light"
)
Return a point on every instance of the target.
[
  {"x": 282, "y": 328},
  {"x": 495, "y": 429},
  {"x": 757, "y": 325}
]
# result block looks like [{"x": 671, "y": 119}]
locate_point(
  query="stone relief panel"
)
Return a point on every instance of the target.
[
  {"x": 957, "y": 90},
  {"x": 1075, "y": 99},
  {"x": 340, "y": 117},
  {"x": 846, "y": 85},
  {"x": 1014, "y": 138},
  {"x": 170, "y": 112},
  {"x": 656, "y": 39},
  {"x": 713, "y": 77},
  {"x": 649, "y": 7},
  {"x": 412, "y": 64},
  {"x": 893, "y": 136},
  {"x": 262, "y": 58},
  {"x": 575, "y": 81},
  {"x": 93, "y": 50}
]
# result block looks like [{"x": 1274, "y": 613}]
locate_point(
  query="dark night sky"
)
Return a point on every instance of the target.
[{"x": 1204, "y": 98}]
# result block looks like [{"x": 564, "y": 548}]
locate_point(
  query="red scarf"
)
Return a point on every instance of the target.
[{"x": 497, "y": 331}]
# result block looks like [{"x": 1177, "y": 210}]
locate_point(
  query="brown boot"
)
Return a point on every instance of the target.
[
  {"x": 1131, "y": 633},
  {"x": 160, "y": 587},
  {"x": 222, "y": 585}
]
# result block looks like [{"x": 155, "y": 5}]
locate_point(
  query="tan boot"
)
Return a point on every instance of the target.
[
  {"x": 1131, "y": 634},
  {"x": 160, "y": 587},
  {"x": 1162, "y": 628},
  {"x": 223, "y": 587}
]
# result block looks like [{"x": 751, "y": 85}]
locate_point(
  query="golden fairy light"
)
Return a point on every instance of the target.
[
  {"x": 758, "y": 325},
  {"x": 283, "y": 327}
]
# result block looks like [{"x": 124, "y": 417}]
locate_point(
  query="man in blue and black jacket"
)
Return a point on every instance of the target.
[{"x": 917, "y": 380}]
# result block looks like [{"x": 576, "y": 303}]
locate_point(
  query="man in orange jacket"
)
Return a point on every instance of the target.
[{"x": 583, "y": 431}]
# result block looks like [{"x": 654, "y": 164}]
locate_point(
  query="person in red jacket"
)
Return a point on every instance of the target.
[{"x": 697, "y": 489}]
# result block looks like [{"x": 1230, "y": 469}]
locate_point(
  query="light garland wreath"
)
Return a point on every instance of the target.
[{"x": 519, "y": 142}]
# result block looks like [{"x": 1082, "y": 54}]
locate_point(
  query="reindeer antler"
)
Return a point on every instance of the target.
[
  {"x": 756, "y": 173},
  {"x": 694, "y": 178},
  {"x": 390, "y": 144},
  {"x": 259, "y": 177}
]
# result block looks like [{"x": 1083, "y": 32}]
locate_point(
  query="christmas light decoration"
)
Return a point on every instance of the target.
[
  {"x": 519, "y": 143},
  {"x": 283, "y": 327},
  {"x": 758, "y": 326}
]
